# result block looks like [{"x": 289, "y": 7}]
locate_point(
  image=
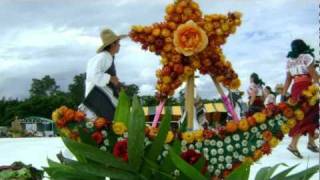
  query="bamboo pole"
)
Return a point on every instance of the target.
[{"x": 189, "y": 101}]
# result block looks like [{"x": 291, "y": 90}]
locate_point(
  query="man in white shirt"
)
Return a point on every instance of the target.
[{"x": 101, "y": 75}]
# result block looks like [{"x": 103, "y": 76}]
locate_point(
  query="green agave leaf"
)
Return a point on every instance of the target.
[
  {"x": 157, "y": 145},
  {"x": 284, "y": 173},
  {"x": 305, "y": 174},
  {"x": 242, "y": 173},
  {"x": 200, "y": 164},
  {"x": 184, "y": 167},
  {"x": 266, "y": 172},
  {"x": 86, "y": 137},
  {"x": 168, "y": 166},
  {"x": 122, "y": 113},
  {"x": 136, "y": 135},
  {"x": 95, "y": 154}
]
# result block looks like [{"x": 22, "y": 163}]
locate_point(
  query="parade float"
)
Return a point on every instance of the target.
[{"x": 127, "y": 148}]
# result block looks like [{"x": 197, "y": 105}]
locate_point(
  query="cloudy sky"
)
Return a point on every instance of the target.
[{"x": 55, "y": 37}]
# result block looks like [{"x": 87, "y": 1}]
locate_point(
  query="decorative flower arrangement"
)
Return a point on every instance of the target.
[
  {"x": 214, "y": 153},
  {"x": 188, "y": 41}
]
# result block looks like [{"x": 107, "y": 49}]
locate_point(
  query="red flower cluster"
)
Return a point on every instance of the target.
[
  {"x": 120, "y": 150},
  {"x": 191, "y": 156},
  {"x": 266, "y": 149},
  {"x": 97, "y": 137}
]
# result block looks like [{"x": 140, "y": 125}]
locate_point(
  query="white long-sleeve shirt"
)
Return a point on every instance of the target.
[{"x": 96, "y": 74}]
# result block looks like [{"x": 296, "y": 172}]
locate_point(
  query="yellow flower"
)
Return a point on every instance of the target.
[
  {"x": 313, "y": 101},
  {"x": 285, "y": 129},
  {"x": 235, "y": 84},
  {"x": 170, "y": 137},
  {"x": 273, "y": 142},
  {"x": 307, "y": 93},
  {"x": 243, "y": 125},
  {"x": 55, "y": 116},
  {"x": 248, "y": 160},
  {"x": 188, "y": 136},
  {"x": 119, "y": 128},
  {"x": 313, "y": 89},
  {"x": 189, "y": 38},
  {"x": 299, "y": 114},
  {"x": 65, "y": 131},
  {"x": 260, "y": 117},
  {"x": 198, "y": 135},
  {"x": 291, "y": 123}
]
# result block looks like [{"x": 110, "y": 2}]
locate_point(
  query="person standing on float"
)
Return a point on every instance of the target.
[{"x": 301, "y": 71}]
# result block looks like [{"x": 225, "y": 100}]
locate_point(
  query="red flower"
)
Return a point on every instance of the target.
[
  {"x": 98, "y": 137},
  {"x": 208, "y": 134},
  {"x": 120, "y": 150},
  {"x": 279, "y": 135},
  {"x": 266, "y": 149},
  {"x": 191, "y": 156},
  {"x": 61, "y": 123},
  {"x": 79, "y": 116}
]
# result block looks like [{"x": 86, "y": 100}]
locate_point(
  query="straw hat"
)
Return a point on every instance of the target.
[{"x": 108, "y": 37}]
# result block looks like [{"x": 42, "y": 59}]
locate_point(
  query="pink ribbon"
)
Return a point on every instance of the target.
[
  {"x": 158, "y": 113},
  {"x": 229, "y": 107}
]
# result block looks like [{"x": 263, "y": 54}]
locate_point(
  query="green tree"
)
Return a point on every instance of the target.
[
  {"x": 148, "y": 101},
  {"x": 131, "y": 90},
  {"x": 43, "y": 87},
  {"x": 77, "y": 88}
]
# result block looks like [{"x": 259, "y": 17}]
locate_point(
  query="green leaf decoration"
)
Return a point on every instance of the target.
[
  {"x": 242, "y": 172},
  {"x": 184, "y": 167},
  {"x": 136, "y": 135},
  {"x": 200, "y": 164},
  {"x": 86, "y": 137},
  {"x": 284, "y": 173},
  {"x": 305, "y": 174},
  {"x": 96, "y": 155},
  {"x": 266, "y": 172},
  {"x": 122, "y": 113}
]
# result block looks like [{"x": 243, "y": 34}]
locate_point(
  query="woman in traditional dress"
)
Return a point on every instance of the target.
[
  {"x": 301, "y": 71},
  {"x": 255, "y": 93},
  {"x": 270, "y": 98}
]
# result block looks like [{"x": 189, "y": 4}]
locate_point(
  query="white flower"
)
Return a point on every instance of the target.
[
  {"x": 210, "y": 168},
  {"x": 213, "y": 152},
  {"x": 183, "y": 142},
  {"x": 254, "y": 129},
  {"x": 199, "y": 144},
  {"x": 206, "y": 156},
  {"x": 219, "y": 144},
  {"x": 244, "y": 143},
  {"x": 191, "y": 146},
  {"x": 176, "y": 172},
  {"x": 263, "y": 126},
  {"x": 213, "y": 142},
  {"x": 253, "y": 148},
  {"x": 236, "y": 137},
  {"x": 205, "y": 150},
  {"x": 280, "y": 122},
  {"x": 89, "y": 124},
  {"x": 184, "y": 148},
  {"x": 260, "y": 143},
  {"x": 213, "y": 160},
  {"x": 125, "y": 135},
  {"x": 271, "y": 122},
  {"x": 229, "y": 166},
  {"x": 220, "y": 158},
  {"x": 229, "y": 159},
  {"x": 217, "y": 172},
  {"x": 237, "y": 146},
  {"x": 227, "y": 140},
  {"x": 104, "y": 133},
  {"x": 166, "y": 146},
  {"x": 245, "y": 150},
  {"x": 207, "y": 142},
  {"x": 241, "y": 158},
  {"x": 236, "y": 155},
  {"x": 221, "y": 166},
  {"x": 220, "y": 151},
  {"x": 164, "y": 153},
  {"x": 103, "y": 148},
  {"x": 230, "y": 148},
  {"x": 246, "y": 135},
  {"x": 120, "y": 139},
  {"x": 159, "y": 158},
  {"x": 197, "y": 151},
  {"x": 106, "y": 142},
  {"x": 259, "y": 135}
]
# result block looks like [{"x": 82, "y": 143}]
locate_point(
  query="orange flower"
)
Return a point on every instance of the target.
[
  {"x": 267, "y": 135},
  {"x": 257, "y": 154},
  {"x": 252, "y": 121},
  {"x": 189, "y": 38},
  {"x": 79, "y": 116},
  {"x": 69, "y": 115},
  {"x": 282, "y": 106},
  {"x": 235, "y": 84},
  {"x": 231, "y": 126},
  {"x": 243, "y": 125},
  {"x": 288, "y": 112},
  {"x": 100, "y": 123}
]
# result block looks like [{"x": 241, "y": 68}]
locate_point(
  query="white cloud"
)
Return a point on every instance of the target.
[{"x": 58, "y": 37}]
